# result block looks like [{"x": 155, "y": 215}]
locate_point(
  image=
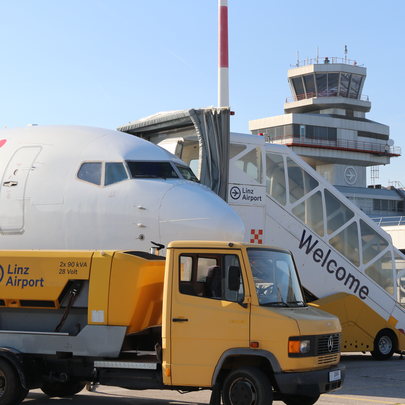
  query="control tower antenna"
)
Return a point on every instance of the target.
[
  {"x": 223, "y": 63},
  {"x": 345, "y": 53}
]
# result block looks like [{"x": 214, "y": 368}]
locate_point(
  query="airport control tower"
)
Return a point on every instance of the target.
[{"x": 325, "y": 124}]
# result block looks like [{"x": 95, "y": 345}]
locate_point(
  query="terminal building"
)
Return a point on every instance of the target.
[{"x": 325, "y": 124}]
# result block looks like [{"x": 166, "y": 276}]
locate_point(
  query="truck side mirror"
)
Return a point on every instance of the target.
[{"x": 234, "y": 278}]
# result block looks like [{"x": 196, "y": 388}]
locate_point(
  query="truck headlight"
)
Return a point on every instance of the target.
[{"x": 298, "y": 346}]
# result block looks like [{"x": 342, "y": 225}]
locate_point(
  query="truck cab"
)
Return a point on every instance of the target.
[{"x": 236, "y": 308}]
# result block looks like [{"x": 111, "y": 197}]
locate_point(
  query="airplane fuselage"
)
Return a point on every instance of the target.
[{"x": 70, "y": 187}]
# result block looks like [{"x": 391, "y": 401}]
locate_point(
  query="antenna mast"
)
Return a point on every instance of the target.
[{"x": 223, "y": 62}]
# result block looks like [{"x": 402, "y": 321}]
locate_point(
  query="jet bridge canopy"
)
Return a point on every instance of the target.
[{"x": 212, "y": 128}]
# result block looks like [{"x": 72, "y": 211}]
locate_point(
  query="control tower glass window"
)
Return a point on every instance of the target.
[
  {"x": 322, "y": 84},
  {"x": 309, "y": 85},
  {"x": 344, "y": 84},
  {"x": 333, "y": 83},
  {"x": 327, "y": 85},
  {"x": 298, "y": 87},
  {"x": 355, "y": 86}
]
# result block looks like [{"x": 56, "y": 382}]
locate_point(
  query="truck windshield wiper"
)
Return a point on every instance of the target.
[
  {"x": 296, "y": 302},
  {"x": 279, "y": 303}
]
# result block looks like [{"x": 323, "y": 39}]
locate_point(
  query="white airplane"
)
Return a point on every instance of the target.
[{"x": 73, "y": 187}]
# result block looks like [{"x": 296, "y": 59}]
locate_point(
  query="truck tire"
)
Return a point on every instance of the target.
[
  {"x": 384, "y": 345},
  {"x": 300, "y": 399},
  {"x": 10, "y": 384},
  {"x": 62, "y": 389},
  {"x": 247, "y": 385},
  {"x": 21, "y": 396}
]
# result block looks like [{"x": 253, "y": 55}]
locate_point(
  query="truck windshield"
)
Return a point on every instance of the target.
[{"x": 275, "y": 278}]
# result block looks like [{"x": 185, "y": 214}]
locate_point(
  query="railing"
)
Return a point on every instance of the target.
[
  {"x": 343, "y": 144},
  {"x": 397, "y": 184},
  {"x": 330, "y": 93},
  {"x": 325, "y": 60},
  {"x": 389, "y": 221}
]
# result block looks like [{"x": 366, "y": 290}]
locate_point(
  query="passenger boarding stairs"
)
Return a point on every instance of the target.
[
  {"x": 338, "y": 250},
  {"x": 343, "y": 257}
]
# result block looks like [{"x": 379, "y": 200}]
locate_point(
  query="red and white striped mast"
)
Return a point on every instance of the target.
[{"x": 223, "y": 62}]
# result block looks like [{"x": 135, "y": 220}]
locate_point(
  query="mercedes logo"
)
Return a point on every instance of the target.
[{"x": 330, "y": 344}]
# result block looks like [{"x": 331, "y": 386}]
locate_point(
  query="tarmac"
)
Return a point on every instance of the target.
[{"x": 367, "y": 382}]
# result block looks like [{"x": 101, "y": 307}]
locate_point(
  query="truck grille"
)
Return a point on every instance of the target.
[
  {"x": 330, "y": 358},
  {"x": 327, "y": 344}
]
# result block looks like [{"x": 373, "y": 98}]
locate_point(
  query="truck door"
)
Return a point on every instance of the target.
[
  {"x": 12, "y": 188},
  {"x": 206, "y": 317}
]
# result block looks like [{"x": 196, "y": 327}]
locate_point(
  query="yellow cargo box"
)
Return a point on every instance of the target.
[{"x": 39, "y": 278}]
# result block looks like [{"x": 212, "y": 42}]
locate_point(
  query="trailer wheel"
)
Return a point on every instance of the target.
[
  {"x": 247, "y": 385},
  {"x": 300, "y": 399},
  {"x": 10, "y": 384},
  {"x": 384, "y": 345},
  {"x": 62, "y": 389}
]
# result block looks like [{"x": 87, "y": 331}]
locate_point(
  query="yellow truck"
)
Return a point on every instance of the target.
[{"x": 227, "y": 317}]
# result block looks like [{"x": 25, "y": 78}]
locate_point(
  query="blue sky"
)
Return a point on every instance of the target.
[{"x": 106, "y": 63}]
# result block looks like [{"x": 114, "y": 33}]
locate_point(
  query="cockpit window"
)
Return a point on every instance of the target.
[
  {"x": 102, "y": 173},
  {"x": 114, "y": 172},
  {"x": 107, "y": 173},
  {"x": 90, "y": 172},
  {"x": 186, "y": 173},
  {"x": 163, "y": 170}
]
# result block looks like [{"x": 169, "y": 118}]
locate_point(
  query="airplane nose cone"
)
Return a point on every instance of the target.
[{"x": 191, "y": 211}]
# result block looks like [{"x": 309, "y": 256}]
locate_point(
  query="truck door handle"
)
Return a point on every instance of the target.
[{"x": 180, "y": 320}]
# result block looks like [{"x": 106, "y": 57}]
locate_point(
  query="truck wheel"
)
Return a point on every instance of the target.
[
  {"x": 384, "y": 345},
  {"x": 62, "y": 389},
  {"x": 248, "y": 386},
  {"x": 300, "y": 399},
  {"x": 10, "y": 384},
  {"x": 21, "y": 396}
]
